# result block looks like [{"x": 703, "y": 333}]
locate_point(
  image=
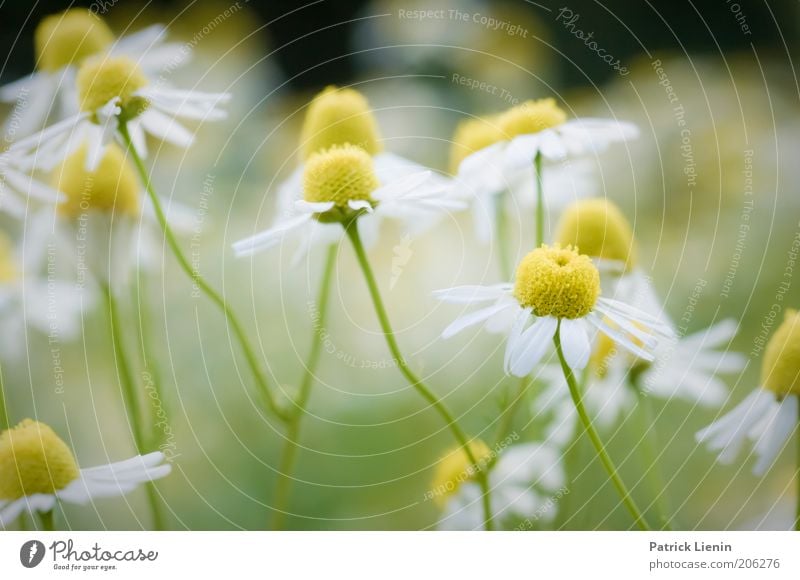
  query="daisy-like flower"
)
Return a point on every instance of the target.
[
  {"x": 531, "y": 129},
  {"x": 63, "y": 42},
  {"x": 610, "y": 392},
  {"x": 769, "y": 415},
  {"x": 114, "y": 90},
  {"x": 561, "y": 182},
  {"x": 340, "y": 185},
  {"x": 523, "y": 479},
  {"x": 557, "y": 290},
  {"x": 600, "y": 229},
  {"x": 37, "y": 470},
  {"x": 338, "y": 117},
  {"x": 45, "y": 303}
]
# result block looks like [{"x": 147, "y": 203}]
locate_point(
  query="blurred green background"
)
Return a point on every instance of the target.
[{"x": 369, "y": 447}]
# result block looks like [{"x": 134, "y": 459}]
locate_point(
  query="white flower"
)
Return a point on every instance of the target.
[
  {"x": 52, "y": 92},
  {"x": 524, "y": 484},
  {"x": 565, "y": 287},
  {"x": 37, "y": 469},
  {"x": 686, "y": 368},
  {"x": 769, "y": 415},
  {"x": 343, "y": 182}
]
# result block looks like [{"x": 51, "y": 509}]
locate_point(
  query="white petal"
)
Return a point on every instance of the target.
[
  {"x": 472, "y": 319},
  {"x": 309, "y": 207},
  {"x": 472, "y": 294},
  {"x": 575, "y": 343},
  {"x": 166, "y": 128},
  {"x": 618, "y": 337},
  {"x": 270, "y": 237},
  {"x": 521, "y": 151},
  {"x": 533, "y": 343},
  {"x": 357, "y": 204},
  {"x": 774, "y": 440},
  {"x": 521, "y": 319}
]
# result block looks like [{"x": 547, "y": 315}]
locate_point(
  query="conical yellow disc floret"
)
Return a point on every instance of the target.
[
  {"x": 556, "y": 281},
  {"x": 780, "y": 370},
  {"x": 33, "y": 459},
  {"x": 336, "y": 117},
  {"x": 455, "y": 468},
  {"x": 101, "y": 79},
  {"x": 112, "y": 187},
  {"x": 472, "y": 135},
  {"x": 339, "y": 174},
  {"x": 69, "y": 38},
  {"x": 8, "y": 264},
  {"x": 599, "y": 229},
  {"x": 531, "y": 117}
]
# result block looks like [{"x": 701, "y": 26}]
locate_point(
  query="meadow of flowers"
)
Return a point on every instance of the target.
[{"x": 465, "y": 301}]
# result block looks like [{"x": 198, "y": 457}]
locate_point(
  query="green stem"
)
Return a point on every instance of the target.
[
  {"x": 649, "y": 449},
  {"x": 290, "y": 446},
  {"x": 149, "y": 359},
  {"x": 47, "y": 521},
  {"x": 352, "y": 232},
  {"x": 537, "y": 167},
  {"x": 507, "y": 420},
  {"x": 213, "y": 295},
  {"x": 130, "y": 394},
  {"x": 627, "y": 500},
  {"x": 501, "y": 237}
]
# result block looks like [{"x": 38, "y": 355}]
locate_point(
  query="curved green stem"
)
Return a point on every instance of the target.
[
  {"x": 609, "y": 466},
  {"x": 537, "y": 168},
  {"x": 501, "y": 237},
  {"x": 352, "y": 232},
  {"x": 200, "y": 282},
  {"x": 649, "y": 449},
  {"x": 131, "y": 396},
  {"x": 290, "y": 446},
  {"x": 507, "y": 420}
]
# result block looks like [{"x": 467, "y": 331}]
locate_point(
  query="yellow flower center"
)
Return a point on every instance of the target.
[
  {"x": 455, "y": 468},
  {"x": 556, "y": 281},
  {"x": 113, "y": 187},
  {"x": 8, "y": 264},
  {"x": 337, "y": 117},
  {"x": 339, "y": 174},
  {"x": 102, "y": 79},
  {"x": 531, "y": 117},
  {"x": 33, "y": 459},
  {"x": 599, "y": 229},
  {"x": 472, "y": 135},
  {"x": 780, "y": 369},
  {"x": 68, "y": 38}
]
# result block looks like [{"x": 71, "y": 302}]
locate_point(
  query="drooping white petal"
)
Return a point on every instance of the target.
[
  {"x": 575, "y": 343},
  {"x": 618, "y": 337},
  {"x": 271, "y": 236},
  {"x": 472, "y": 319},
  {"x": 775, "y": 437},
  {"x": 472, "y": 294},
  {"x": 514, "y": 337},
  {"x": 635, "y": 314},
  {"x": 312, "y": 207},
  {"x": 533, "y": 343},
  {"x": 166, "y": 128},
  {"x": 628, "y": 326}
]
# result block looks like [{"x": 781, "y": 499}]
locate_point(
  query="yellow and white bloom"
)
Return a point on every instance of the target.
[
  {"x": 511, "y": 141},
  {"x": 63, "y": 42},
  {"x": 687, "y": 368},
  {"x": 768, "y": 416},
  {"x": 338, "y": 117},
  {"x": 38, "y": 470},
  {"x": 556, "y": 289},
  {"x": 562, "y": 182},
  {"x": 340, "y": 184},
  {"x": 19, "y": 165},
  {"x": 114, "y": 90},
  {"x": 523, "y": 479}
]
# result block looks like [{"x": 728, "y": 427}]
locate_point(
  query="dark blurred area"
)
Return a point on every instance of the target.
[{"x": 311, "y": 39}]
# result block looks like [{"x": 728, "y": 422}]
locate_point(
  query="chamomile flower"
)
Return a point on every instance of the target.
[
  {"x": 609, "y": 390},
  {"x": 522, "y": 478},
  {"x": 562, "y": 182},
  {"x": 769, "y": 415},
  {"x": 342, "y": 116},
  {"x": 557, "y": 290},
  {"x": 600, "y": 229},
  {"x": 19, "y": 165},
  {"x": 63, "y": 42},
  {"x": 536, "y": 128},
  {"x": 38, "y": 470},
  {"x": 340, "y": 185},
  {"x": 115, "y": 90},
  {"x": 29, "y": 298}
]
